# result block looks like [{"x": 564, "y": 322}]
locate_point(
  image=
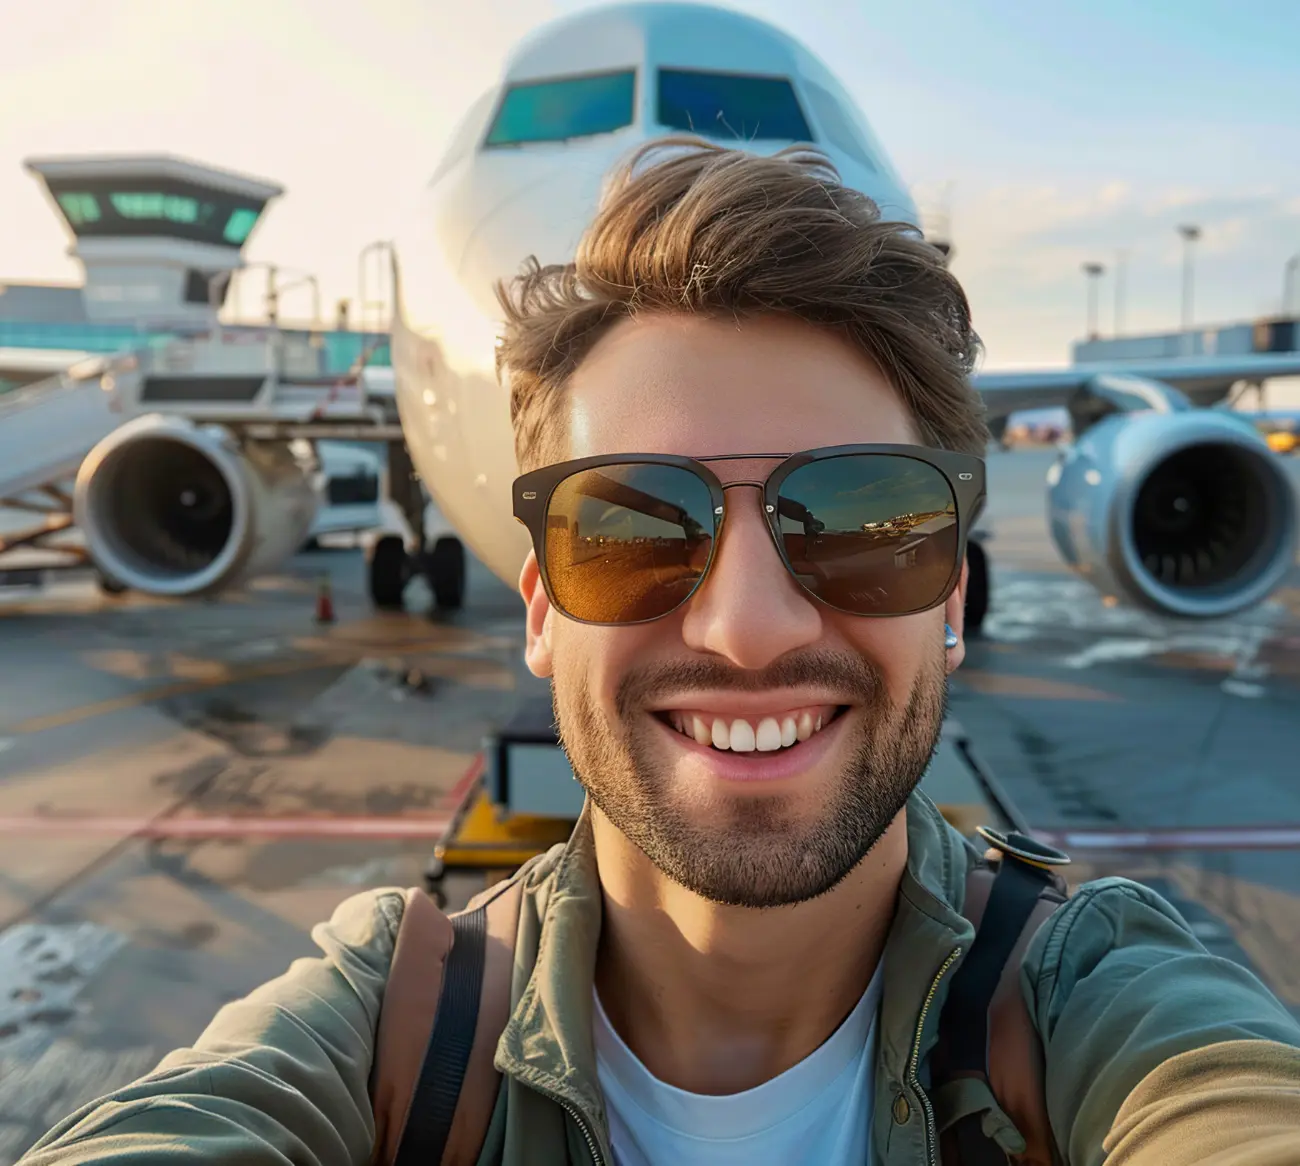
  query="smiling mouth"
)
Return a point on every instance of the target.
[{"x": 777, "y": 734}]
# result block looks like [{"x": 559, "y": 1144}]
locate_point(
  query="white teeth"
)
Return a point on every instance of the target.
[
  {"x": 768, "y": 736},
  {"x": 742, "y": 737}
]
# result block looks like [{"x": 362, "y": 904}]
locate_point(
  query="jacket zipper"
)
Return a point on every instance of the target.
[
  {"x": 574, "y": 1112},
  {"x": 931, "y": 1135}
]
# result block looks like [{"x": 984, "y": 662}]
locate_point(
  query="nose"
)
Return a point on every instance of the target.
[{"x": 749, "y": 609}]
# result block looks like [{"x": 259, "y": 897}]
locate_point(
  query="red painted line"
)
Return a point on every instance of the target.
[
  {"x": 454, "y": 796},
  {"x": 424, "y": 826},
  {"x": 206, "y": 826},
  {"x": 1165, "y": 839}
]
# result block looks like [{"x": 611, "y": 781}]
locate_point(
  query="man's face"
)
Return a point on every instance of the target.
[{"x": 749, "y": 640}]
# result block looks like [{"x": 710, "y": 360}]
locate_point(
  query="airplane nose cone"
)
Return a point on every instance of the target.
[{"x": 507, "y": 207}]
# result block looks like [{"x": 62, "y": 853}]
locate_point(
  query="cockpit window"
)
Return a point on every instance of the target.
[
  {"x": 568, "y": 107},
  {"x": 731, "y": 106},
  {"x": 839, "y": 130}
]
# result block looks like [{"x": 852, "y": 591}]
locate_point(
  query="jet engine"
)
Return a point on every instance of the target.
[
  {"x": 172, "y": 508},
  {"x": 1184, "y": 513}
]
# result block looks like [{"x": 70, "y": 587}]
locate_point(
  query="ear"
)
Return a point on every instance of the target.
[
  {"x": 537, "y": 648},
  {"x": 954, "y": 614}
]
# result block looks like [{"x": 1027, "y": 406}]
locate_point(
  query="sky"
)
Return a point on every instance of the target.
[{"x": 1052, "y": 134}]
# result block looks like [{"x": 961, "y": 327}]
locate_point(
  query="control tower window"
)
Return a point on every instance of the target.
[
  {"x": 173, "y": 207},
  {"x": 239, "y": 225},
  {"x": 135, "y": 207},
  {"x": 79, "y": 207},
  {"x": 731, "y": 106},
  {"x": 564, "y": 108}
]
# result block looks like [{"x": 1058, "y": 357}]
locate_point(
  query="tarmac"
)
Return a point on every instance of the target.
[{"x": 182, "y": 737}]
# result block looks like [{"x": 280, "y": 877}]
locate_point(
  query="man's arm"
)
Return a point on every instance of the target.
[
  {"x": 1134, "y": 1013},
  {"x": 280, "y": 1076},
  {"x": 1233, "y": 1104}
]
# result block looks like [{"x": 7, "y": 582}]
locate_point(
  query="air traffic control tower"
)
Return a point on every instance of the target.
[{"x": 153, "y": 234}]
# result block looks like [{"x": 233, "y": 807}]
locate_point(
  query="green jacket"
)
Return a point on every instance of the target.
[{"x": 1156, "y": 1051}]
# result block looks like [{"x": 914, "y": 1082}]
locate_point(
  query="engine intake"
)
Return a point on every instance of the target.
[
  {"x": 171, "y": 508},
  {"x": 1189, "y": 514}
]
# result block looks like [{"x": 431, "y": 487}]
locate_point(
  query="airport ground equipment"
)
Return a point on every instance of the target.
[
  {"x": 190, "y": 467},
  {"x": 47, "y": 429},
  {"x": 526, "y": 798}
]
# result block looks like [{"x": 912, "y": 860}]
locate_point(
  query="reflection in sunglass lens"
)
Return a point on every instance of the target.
[
  {"x": 871, "y": 534},
  {"x": 627, "y": 542}
]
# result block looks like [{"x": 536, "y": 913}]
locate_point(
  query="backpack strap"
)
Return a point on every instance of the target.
[
  {"x": 434, "y": 1084},
  {"x": 986, "y": 1031}
]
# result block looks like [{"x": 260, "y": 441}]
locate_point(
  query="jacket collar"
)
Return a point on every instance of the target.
[{"x": 548, "y": 1041}]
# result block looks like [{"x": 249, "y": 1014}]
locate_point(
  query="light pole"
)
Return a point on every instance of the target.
[
  {"x": 1288, "y": 282},
  {"x": 1121, "y": 270},
  {"x": 1094, "y": 271},
  {"x": 379, "y": 248},
  {"x": 1190, "y": 234},
  {"x": 315, "y": 294},
  {"x": 274, "y": 288}
]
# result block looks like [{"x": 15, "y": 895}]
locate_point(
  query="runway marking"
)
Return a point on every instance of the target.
[
  {"x": 146, "y": 696},
  {"x": 1039, "y": 687},
  {"x": 370, "y": 826},
  {"x": 1176, "y": 838},
  {"x": 211, "y": 826}
]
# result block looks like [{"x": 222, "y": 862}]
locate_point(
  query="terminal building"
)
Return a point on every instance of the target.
[{"x": 1270, "y": 335}]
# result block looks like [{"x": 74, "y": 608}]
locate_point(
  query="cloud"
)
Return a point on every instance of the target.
[{"x": 1020, "y": 249}]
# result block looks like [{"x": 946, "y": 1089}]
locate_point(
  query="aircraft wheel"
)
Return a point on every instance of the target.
[
  {"x": 977, "y": 588},
  {"x": 388, "y": 571},
  {"x": 110, "y": 586},
  {"x": 446, "y": 571}
]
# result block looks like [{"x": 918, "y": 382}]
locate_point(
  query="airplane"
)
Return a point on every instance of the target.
[
  {"x": 523, "y": 174},
  {"x": 1158, "y": 503}
]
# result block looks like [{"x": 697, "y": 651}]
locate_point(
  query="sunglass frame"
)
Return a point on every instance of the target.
[{"x": 964, "y": 473}]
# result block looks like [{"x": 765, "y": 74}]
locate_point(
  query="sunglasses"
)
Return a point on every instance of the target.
[{"x": 870, "y": 530}]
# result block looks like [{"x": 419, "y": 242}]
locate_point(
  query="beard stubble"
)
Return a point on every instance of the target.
[{"x": 743, "y": 849}]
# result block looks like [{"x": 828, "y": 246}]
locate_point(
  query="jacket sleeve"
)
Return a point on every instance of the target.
[
  {"x": 281, "y": 1076},
  {"x": 1133, "y": 1013}
]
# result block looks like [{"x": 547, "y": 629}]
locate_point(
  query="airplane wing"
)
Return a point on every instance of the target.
[{"x": 1204, "y": 379}]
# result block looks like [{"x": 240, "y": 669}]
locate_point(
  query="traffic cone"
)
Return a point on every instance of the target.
[{"x": 324, "y": 602}]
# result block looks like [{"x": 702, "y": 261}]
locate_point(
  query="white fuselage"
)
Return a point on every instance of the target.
[{"x": 523, "y": 176}]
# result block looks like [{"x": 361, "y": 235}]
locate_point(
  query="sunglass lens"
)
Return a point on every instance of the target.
[
  {"x": 870, "y": 534},
  {"x": 626, "y": 543}
]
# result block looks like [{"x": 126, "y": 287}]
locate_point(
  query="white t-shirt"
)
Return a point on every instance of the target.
[{"x": 817, "y": 1112}]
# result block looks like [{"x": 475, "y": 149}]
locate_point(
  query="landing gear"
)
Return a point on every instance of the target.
[
  {"x": 108, "y": 585},
  {"x": 445, "y": 570},
  {"x": 977, "y": 588},
  {"x": 392, "y": 566},
  {"x": 389, "y": 571}
]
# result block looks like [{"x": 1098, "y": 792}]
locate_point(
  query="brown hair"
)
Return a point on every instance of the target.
[{"x": 688, "y": 226}]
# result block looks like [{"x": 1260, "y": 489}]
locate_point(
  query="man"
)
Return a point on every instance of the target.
[{"x": 741, "y": 954}]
